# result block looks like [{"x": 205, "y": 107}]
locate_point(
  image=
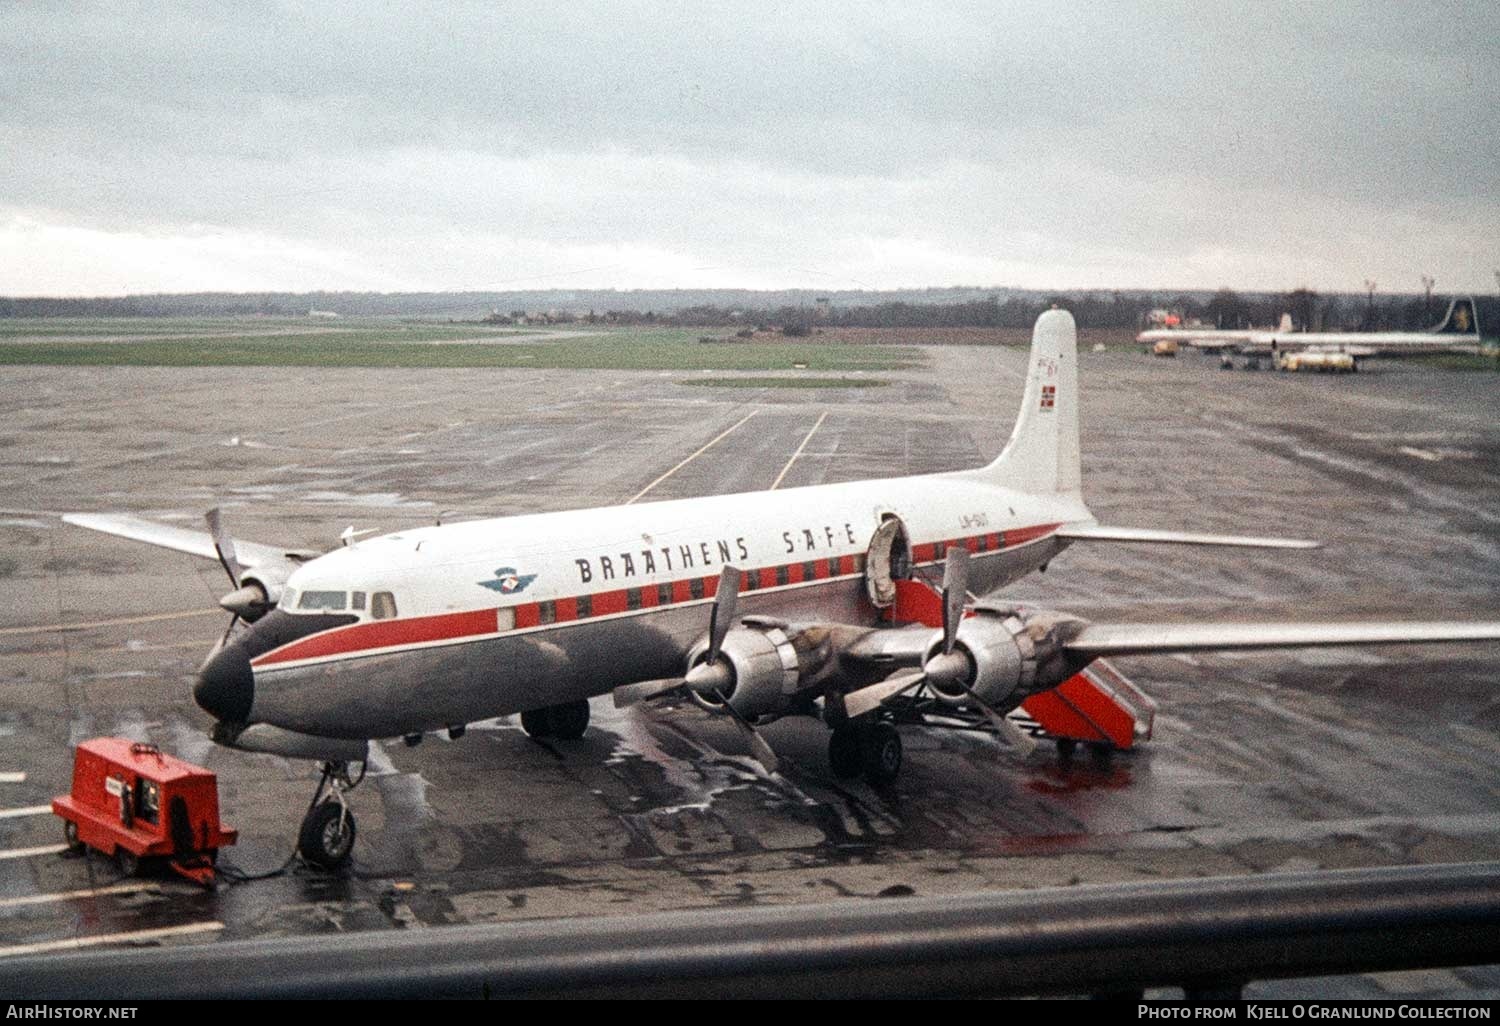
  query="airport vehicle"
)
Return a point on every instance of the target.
[
  {"x": 754, "y": 606},
  {"x": 1457, "y": 332},
  {"x": 1323, "y": 361},
  {"x": 133, "y": 801}
]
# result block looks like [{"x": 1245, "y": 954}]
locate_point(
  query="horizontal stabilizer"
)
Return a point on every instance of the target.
[
  {"x": 1097, "y": 640},
  {"x": 194, "y": 543},
  {"x": 1147, "y": 535}
]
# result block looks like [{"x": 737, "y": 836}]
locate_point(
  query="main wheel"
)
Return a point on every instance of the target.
[
  {"x": 843, "y": 752},
  {"x": 569, "y": 721},
  {"x": 327, "y": 835},
  {"x": 880, "y": 753},
  {"x": 537, "y": 722}
]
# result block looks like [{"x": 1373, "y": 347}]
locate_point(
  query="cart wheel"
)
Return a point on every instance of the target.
[
  {"x": 880, "y": 753},
  {"x": 569, "y": 721},
  {"x": 70, "y": 835},
  {"x": 537, "y": 723},
  {"x": 327, "y": 835},
  {"x": 128, "y": 862},
  {"x": 843, "y": 752}
]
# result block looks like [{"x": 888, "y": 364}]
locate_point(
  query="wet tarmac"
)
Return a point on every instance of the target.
[{"x": 1264, "y": 762}]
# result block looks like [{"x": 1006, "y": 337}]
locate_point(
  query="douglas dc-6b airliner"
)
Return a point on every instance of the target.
[{"x": 808, "y": 600}]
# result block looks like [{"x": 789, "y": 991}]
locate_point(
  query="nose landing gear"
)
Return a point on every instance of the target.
[{"x": 326, "y": 838}]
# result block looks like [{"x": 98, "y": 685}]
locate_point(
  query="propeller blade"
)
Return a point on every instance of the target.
[
  {"x": 629, "y": 694},
  {"x": 1009, "y": 735},
  {"x": 868, "y": 699},
  {"x": 224, "y": 546},
  {"x": 955, "y": 594},
  {"x": 722, "y": 617},
  {"x": 758, "y": 746},
  {"x": 224, "y": 639}
]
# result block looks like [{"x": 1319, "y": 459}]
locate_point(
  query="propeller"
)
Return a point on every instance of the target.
[
  {"x": 948, "y": 665},
  {"x": 711, "y": 677},
  {"x": 247, "y": 601}
]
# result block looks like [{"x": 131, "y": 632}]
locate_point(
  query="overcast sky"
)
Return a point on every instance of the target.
[{"x": 251, "y": 146}]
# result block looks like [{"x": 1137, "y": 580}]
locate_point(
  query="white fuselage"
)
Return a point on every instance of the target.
[{"x": 496, "y": 616}]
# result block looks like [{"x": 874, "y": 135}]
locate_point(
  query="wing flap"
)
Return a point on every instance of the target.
[
  {"x": 1097, "y": 640},
  {"x": 1148, "y": 535},
  {"x": 180, "y": 539}
]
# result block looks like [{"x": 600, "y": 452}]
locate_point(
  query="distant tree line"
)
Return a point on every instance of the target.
[{"x": 933, "y": 308}]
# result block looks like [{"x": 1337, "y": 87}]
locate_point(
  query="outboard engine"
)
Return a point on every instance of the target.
[{"x": 1002, "y": 655}]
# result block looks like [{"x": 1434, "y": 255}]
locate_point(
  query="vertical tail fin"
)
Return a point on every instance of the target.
[
  {"x": 1042, "y": 454},
  {"x": 1460, "y": 319}
]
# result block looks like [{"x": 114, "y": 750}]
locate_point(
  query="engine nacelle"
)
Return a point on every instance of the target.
[
  {"x": 764, "y": 671},
  {"x": 1008, "y": 655}
]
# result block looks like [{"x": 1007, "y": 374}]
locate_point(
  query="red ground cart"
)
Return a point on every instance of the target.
[{"x": 132, "y": 801}]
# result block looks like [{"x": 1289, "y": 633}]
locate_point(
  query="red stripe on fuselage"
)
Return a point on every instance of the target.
[
  {"x": 364, "y": 637},
  {"x": 384, "y": 634}
]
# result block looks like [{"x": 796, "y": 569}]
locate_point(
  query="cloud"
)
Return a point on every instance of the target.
[{"x": 403, "y": 146}]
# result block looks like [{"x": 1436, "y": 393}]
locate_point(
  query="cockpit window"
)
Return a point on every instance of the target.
[
  {"x": 382, "y": 605},
  {"x": 358, "y": 603},
  {"x": 289, "y": 598},
  {"x": 325, "y": 601}
]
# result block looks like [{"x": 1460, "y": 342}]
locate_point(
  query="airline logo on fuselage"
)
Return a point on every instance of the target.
[{"x": 507, "y": 581}]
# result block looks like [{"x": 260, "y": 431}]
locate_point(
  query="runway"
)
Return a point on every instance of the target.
[{"x": 1270, "y": 761}]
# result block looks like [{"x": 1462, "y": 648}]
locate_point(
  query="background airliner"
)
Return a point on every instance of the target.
[
  {"x": 1458, "y": 331},
  {"x": 758, "y": 605}
]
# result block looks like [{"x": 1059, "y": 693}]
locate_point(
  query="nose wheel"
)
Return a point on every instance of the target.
[{"x": 326, "y": 838}]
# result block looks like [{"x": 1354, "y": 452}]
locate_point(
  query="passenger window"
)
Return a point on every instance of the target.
[{"x": 382, "y": 605}]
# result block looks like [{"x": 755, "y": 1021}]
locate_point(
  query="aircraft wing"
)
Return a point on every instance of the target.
[
  {"x": 1147, "y": 535},
  {"x": 1096, "y": 640},
  {"x": 194, "y": 543}
]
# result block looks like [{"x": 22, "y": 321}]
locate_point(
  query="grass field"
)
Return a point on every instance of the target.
[
  {"x": 1458, "y": 361},
  {"x": 254, "y": 342}
]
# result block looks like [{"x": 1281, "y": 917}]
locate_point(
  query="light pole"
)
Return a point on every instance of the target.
[
  {"x": 1427, "y": 283},
  {"x": 1370, "y": 305}
]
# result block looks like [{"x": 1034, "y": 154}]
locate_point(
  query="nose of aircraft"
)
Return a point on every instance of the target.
[{"x": 226, "y": 685}]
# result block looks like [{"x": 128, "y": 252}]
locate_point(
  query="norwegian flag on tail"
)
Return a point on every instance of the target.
[{"x": 1049, "y": 397}]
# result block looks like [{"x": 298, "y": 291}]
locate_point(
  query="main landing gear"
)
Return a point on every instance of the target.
[
  {"x": 869, "y": 749},
  {"x": 566, "y": 722},
  {"x": 326, "y": 838}
]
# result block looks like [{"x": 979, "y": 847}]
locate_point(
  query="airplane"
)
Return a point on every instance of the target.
[
  {"x": 1457, "y": 332},
  {"x": 1210, "y": 338},
  {"x": 753, "y": 606}
]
